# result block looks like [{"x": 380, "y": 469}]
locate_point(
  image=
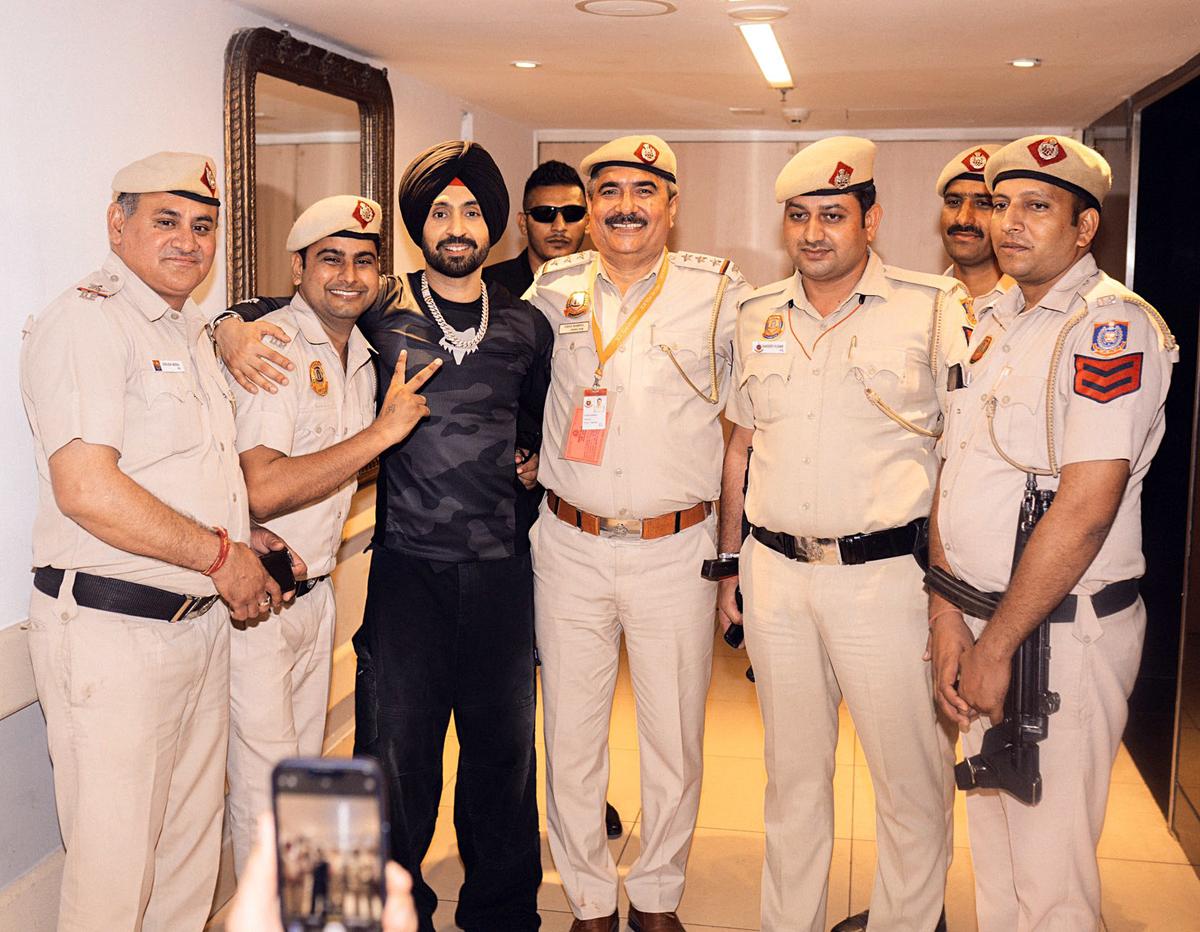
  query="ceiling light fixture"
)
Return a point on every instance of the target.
[
  {"x": 626, "y": 7},
  {"x": 761, "y": 39},
  {"x": 526, "y": 63},
  {"x": 746, "y": 111},
  {"x": 749, "y": 11},
  {"x": 1025, "y": 62}
]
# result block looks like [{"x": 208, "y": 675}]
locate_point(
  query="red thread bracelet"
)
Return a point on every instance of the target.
[{"x": 222, "y": 553}]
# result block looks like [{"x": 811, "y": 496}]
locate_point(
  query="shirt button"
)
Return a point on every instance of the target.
[
  {"x": 812, "y": 415},
  {"x": 804, "y": 507},
  {"x": 806, "y": 461},
  {"x": 945, "y": 492},
  {"x": 620, "y": 388},
  {"x": 816, "y": 371},
  {"x": 235, "y": 496},
  {"x": 1005, "y": 347},
  {"x": 66, "y": 616},
  {"x": 948, "y": 546},
  {"x": 1004, "y": 400},
  {"x": 175, "y": 315},
  {"x": 963, "y": 445},
  {"x": 623, "y": 348},
  {"x": 871, "y": 370},
  {"x": 623, "y": 511},
  {"x": 112, "y": 278},
  {"x": 619, "y": 472},
  {"x": 318, "y": 430}
]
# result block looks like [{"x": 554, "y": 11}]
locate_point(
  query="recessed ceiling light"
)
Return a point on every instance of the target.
[
  {"x": 1025, "y": 62},
  {"x": 751, "y": 11},
  {"x": 526, "y": 63},
  {"x": 746, "y": 111},
  {"x": 626, "y": 7}
]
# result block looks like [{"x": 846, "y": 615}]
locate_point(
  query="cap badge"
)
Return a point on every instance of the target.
[
  {"x": 364, "y": 213},
  {"x": 1047, "y": 151},
  {"x": 316, "y": 378},
  {"x": 841, "y": 176},
  {"x": 209, "y": 178},
  {"x": 577, "y": 304},
  {"x": 976, "y": 161},
  {"x": 647, "y": 153},
  {"x": 1110, "y": 338},
  {"x": 773, "y": 327}
]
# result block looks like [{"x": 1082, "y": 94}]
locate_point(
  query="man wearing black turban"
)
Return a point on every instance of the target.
[{"x": 448, "y": 625}]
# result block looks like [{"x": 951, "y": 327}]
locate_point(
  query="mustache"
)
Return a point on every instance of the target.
[
  {"x": 631, "y": 217},
  {"x": 457, "y": 241},
  {"x": 193, "y": 254},
  {"x": 964, "y": 228},
  {"x": 818, "y": 244}
]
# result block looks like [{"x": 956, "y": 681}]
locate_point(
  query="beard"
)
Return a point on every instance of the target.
[{"x": 456, "y": 265}]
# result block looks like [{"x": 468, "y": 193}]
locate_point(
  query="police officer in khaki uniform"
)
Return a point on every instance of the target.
[
  {"x": 840, "y": 376},
  {"x": 632, "y": 443},
  {"x": 141, "y": 557},
  {"x": 964, "y": 224},
  {"x": 1066, "y": 380},
  {"x": 301, "y": 449}
]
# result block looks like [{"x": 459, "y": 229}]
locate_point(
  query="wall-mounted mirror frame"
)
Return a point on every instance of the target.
[{"x": 251, "y": 52}]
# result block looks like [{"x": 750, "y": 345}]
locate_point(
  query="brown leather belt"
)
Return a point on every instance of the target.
[{"x": 630, "y": 528}]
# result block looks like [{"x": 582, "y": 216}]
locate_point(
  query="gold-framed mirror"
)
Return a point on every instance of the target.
[{"x": 308, "y": 117}]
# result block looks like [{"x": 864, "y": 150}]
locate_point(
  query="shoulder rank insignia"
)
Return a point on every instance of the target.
[
  {"x": 94, "y": 292},
  {"x": 316, "y": 378},
  {"x": 1110, "y": 337},
  {"x": 1104, "y": 380}
]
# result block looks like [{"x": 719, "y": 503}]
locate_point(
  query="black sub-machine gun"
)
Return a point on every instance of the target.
[{"x": 1008, "y": 759}]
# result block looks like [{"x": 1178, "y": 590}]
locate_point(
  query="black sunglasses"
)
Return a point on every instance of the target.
[{"x": 544, "y": 213}]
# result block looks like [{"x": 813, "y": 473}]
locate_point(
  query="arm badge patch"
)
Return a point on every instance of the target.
[{"x": 1104, "y": 380}]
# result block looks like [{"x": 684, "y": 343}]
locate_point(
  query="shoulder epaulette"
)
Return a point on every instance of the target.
[
  {"x": 564, "y": 262},
  {"x": 925, "y": 279},
  {"x": 99, "y": 285},
  {"x": 767, "y": 291},
  {"x": 1107, "y": 292},
  {"x": 718, "y": 265}
]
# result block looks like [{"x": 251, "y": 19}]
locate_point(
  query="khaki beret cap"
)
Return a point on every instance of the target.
[
  {"x": 340, "y": 215},
  {"x": 184, "y": 173},
  {"x": 649, "y": 153},
  {"x": 968, "y": 164},
  {"x": 835, "y": 165},
  {"x": 1059, "y": 160}
]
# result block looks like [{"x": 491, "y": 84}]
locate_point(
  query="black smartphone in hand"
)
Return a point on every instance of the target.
[{"x": 278, "y": 563}]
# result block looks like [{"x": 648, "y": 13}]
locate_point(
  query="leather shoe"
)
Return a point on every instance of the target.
[
  {"x": 858, "y": 922},
  {"x": 599, "y": 924},
  {"x": 612, "y": 821},
  {"x": 653, "y": 922}
]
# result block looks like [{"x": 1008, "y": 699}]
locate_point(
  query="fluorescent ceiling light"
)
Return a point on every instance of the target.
[
  {"x": 1025, "y": 62},
  {"x": 525, "y": 63},
  {"x": 761, "y": 39}
]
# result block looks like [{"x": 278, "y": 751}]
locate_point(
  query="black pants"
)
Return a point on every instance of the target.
[{"x": 455, "y": 637}]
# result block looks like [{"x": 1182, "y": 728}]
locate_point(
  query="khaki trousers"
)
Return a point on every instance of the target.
[
  {"x": 1035, "y": 866},
  {"x": 279, "y": 673},
  {"x": 816, "y": 634},
  {"x": 588, "y": 591},
  {"x": 137, "y": 713}
]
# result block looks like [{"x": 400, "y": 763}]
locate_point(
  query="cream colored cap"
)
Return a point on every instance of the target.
[
  {"x": 649, "y": 153},
  {"x": 340, "y": 215},
  {"x": 836, "y": 165},
  {"x": 1059, "y": 160},
  {"x": 184, "y": 173},
  {"x": 968, "y": 164}
]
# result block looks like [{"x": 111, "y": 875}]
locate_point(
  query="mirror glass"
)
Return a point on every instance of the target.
[{"x": 306, "y": 148}]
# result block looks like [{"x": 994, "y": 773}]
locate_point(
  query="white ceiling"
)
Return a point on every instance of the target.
[{"x": 869, "y": 64}]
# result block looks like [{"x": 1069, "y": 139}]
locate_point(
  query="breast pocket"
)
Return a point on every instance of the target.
[
  {"x": 316, "y": 429},
  {"x": 765, "y": 378},
  {"x": 1020, "y": 419},
  {"x": 675, "y": 358},
  {"x": 885, "y": 374},
  {"x": 175, "y": 422}
]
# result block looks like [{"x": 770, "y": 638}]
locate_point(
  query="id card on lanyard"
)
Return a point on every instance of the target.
[{"x": 592, "y": 415}]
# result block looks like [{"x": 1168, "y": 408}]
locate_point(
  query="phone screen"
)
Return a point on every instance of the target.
[{"x": 330, "y": 839}]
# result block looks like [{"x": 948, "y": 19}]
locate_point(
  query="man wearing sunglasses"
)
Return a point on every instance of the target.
[{"x": 553, "y": 219}]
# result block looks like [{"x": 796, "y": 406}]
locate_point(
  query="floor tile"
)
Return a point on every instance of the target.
[
  {"x": 731, "y": 796},
  {"x": 733, "y": 729},
  {"x": 1134, "y": 828},
  {"x": 1138, "y": 896}
]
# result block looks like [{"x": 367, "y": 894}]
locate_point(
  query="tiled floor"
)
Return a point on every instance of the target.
[{"x": 1148, "y": 883}]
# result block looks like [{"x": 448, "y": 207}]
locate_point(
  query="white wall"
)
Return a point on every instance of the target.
[{"x": 89, "y": 87}]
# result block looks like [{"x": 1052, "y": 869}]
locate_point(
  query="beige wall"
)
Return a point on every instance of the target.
[{"x": 728, "y": 200}]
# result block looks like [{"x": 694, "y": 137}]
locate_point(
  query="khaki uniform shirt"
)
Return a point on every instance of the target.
[
  {"x": 321, "y": 405},
  {"x": 1108, "y": 392},
  {"x": 110, "y": 363},
  {"x": 664, "y": 447},
  {"x": 828, "y": 461}
]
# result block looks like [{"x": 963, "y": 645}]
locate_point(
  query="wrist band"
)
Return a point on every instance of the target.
[
  {"x": 944, "y": 611},
  {"x": 222, "y": 552}
]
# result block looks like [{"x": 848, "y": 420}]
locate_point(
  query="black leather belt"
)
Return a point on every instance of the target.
[
  {"x": 844, "y": 551},
  {"x": 305, "y": 586},
  {"x": 123, "y": 597},
  {"x": 1108, "y": 601}
]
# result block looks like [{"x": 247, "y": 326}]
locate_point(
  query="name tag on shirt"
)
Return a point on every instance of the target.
[
  {"x": 575, "y": 326},
  {"x": 769, "y": 347},
  {"x": 167, "y": 365}
]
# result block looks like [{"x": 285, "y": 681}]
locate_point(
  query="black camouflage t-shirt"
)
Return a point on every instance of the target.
[{"x": 448, "y": 491}]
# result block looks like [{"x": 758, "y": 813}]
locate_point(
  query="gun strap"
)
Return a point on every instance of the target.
[{"x": 975, "y": 602}]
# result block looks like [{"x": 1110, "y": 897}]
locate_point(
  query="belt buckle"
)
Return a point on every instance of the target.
[
  {"x": 194, "y": 606},
  {"x": 182, "y": 612},
  {"x": 621, "y": 528},
  {"x": 820, "y": 550}
]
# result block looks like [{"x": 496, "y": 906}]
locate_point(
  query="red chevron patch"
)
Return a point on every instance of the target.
[{"x": 1103, "y": 380}]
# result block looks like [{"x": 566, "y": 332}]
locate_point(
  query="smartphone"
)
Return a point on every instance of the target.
[
  {"x": 331, "y": 842},
  {"x": 279, "y": 564}
]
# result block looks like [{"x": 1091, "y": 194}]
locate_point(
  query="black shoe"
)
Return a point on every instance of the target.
[
  {"x": 858, "y": 922},
  {"x": 612, "y": 821}
]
